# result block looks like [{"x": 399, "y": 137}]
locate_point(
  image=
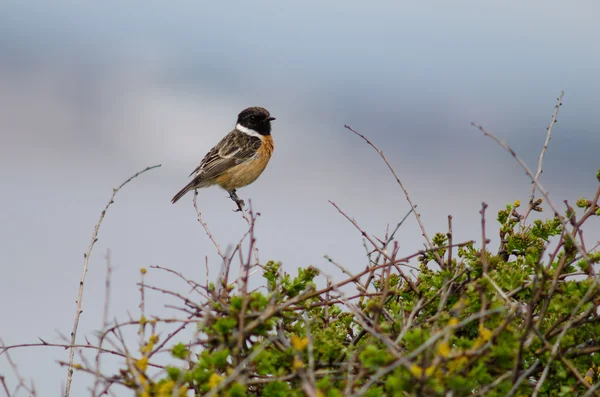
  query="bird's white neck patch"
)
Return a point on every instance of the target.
[{"x": 247, "y": 131}]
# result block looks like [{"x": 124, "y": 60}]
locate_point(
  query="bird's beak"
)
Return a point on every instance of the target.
[{"x": 271, "y": 118}]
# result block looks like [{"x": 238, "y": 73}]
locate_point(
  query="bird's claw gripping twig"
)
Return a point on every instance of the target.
[{"x": 238, "y": 201}]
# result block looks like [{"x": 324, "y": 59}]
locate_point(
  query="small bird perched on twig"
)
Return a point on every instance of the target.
[{"x": 240, "y": 157}]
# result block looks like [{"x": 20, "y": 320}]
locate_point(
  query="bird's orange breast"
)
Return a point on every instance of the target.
[{"x": 247, "y": 172}]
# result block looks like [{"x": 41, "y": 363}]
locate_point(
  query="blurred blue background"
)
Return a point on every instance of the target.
[{"x": 91, "y": 93}]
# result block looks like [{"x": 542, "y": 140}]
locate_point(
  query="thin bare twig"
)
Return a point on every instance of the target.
[
  {"x": 206, "y": 229},
  {"x": 5, "y": 349},
  {"x": 107, "y": 289},
  {"x": 21, "y": 381},
  {"x": 376, "y": 246},
  {"x": 4, "y": 386},
  {"x": 412, "y": 206},
  {"x": 98, "y": 379},
  {"x": 86, "y": 257},
  {"x": 541, "y": 157},
  {"x": 484, "y": 241},
  {"x": 450, "y": 236}
]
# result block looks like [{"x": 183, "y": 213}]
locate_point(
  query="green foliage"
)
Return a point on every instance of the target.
[
  {"x": 583, "y": 203},
  {"x": 180, "y": 351}
]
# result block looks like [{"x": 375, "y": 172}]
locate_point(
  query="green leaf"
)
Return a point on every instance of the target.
[{"x": 180, "y": 351}]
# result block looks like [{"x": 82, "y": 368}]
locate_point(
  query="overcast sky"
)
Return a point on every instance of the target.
[{"x": 90, "y": 94}]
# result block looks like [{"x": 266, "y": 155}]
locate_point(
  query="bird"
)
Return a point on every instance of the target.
[{"x": 239, "y": 158}]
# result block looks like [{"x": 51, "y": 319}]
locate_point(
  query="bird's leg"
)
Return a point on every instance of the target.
[{"x": 240, "y": 203}]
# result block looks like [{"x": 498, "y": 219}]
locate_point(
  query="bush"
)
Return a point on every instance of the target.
[
  {"x": 470, "y": 323},
  {"x": 521, "y": 321}
]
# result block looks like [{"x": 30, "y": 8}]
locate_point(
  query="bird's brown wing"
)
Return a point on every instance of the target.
[{"x": 235, "y": 148}]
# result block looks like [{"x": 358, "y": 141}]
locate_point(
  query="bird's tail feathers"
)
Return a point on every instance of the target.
[{"x": 182, "y": 192}]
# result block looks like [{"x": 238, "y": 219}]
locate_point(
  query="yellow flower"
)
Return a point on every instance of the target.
[
  {"x": 429, "y": 370},
  {"x": 214, "y": 380},
  {"x": 443, "y": 349},
  {"x": 453, "y": 322},
  {"x": 416, "y": 370},
  {"x": 142, "y": 363},
  {"x": 166, "y": 389},
  {"x": 297, "y": 363},
  {"x": 517, "y": 203},
  {"x": 484, "y": 336},
  {"x": 299, "y": 343},
  {"x": 143, "y": 270},
  {"x": 147, "y": 348},
  {"x": 457, "y": 364},
  {"x": 485, "y": 333}
]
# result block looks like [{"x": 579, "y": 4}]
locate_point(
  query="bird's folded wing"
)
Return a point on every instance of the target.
[{"x": 235, "y": 148}]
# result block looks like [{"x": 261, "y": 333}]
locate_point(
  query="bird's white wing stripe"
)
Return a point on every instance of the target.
[
  {"x": 247, "y": 131},
  {"x": 230, "y": 155}
]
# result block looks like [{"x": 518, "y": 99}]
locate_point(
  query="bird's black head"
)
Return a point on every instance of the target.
[{"x": 257, "y": 119}]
